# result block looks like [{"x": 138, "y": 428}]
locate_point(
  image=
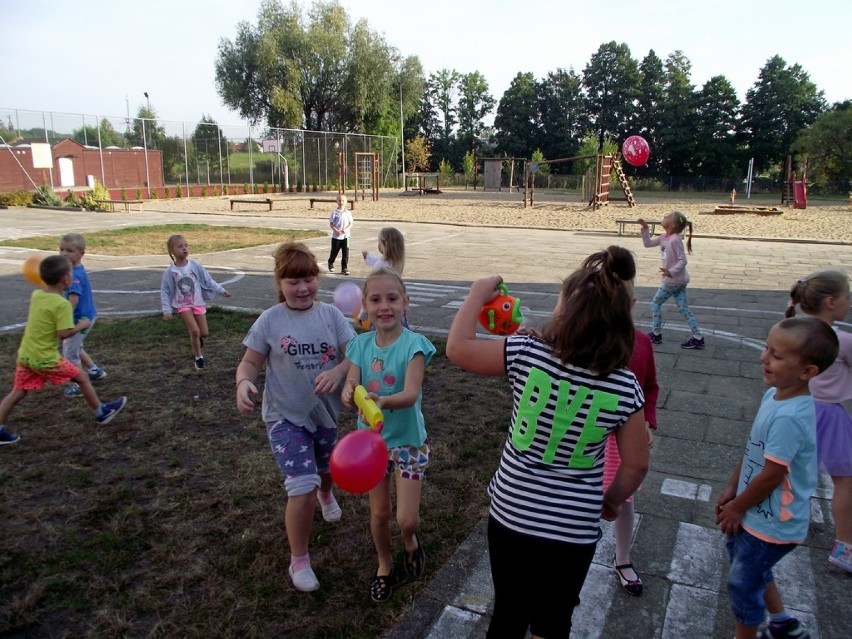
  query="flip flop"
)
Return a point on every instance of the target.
[{"x": 415, "y": 562}]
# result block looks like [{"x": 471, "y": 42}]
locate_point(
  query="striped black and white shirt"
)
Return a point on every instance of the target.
[{"x": 550, "y": 479}]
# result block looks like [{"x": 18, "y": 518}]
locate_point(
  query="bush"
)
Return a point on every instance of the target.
[
  {"x": 178, "y": 191},
  {"x": 16, "y": 198},
  {"x": 266, "y": 187},
  {"x": 89, "y": 200},
  {"x": 138, "y": 192},
  {"x": 246, "y": 189},
  {"x": 166, "y": 193},
  {"x": 122, "y": 194},
  {"x": 45, "y": 196},
  {"x": 203, "y": 191}
]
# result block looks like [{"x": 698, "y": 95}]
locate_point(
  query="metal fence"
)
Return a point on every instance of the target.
[{"x": 200, "y": 153}]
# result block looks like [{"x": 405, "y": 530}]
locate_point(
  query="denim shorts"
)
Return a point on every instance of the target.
[{"x": 752, "y": 560}]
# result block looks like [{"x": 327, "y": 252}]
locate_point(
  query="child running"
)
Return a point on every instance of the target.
[
  {"x": 51, "y": 319},
  {"x": 391, "y": 254},
  {"x": 73, "y": 246},
  {"x": 340, "y": 222},
  {"x": 302, "y": 342},
  {"x": 390, "y": 363},
  {"x": 673, "y": 274},
  {"x": 825, "y": 294},
  {"x": 764, "y": 509},
  {"x": 185, "y": 290},
  {"x": 644, "y": 367},
  {"x": 570, "y": 389}
]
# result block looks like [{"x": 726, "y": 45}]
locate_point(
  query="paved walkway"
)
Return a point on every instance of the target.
[{"x": 706, "y": 404}]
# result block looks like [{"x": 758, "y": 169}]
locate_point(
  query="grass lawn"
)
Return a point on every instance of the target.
[{"x": 169, "y": 521}]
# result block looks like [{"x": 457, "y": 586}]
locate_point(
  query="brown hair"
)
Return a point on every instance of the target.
[
  {"x": 809, "y": 292},
  {"x": 592, "y": 325},
  {"x": 293, "y": 260},
  {"x": 76, "y": 239},
  {"x": 53, "y": 268},
  {"x": 818, "y": 343}
]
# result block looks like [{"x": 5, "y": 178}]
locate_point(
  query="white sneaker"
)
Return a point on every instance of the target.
[
  {"x": 304, "y": 580},
  {"x": 331, "y": 511}
]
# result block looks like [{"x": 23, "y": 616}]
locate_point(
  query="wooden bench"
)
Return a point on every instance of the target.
[
  {"x": 126, "y": 204},
  {"x": 350, "y": 203},
  {"x": 244, "y": 200},
  {"x": 622, "y": 224}
]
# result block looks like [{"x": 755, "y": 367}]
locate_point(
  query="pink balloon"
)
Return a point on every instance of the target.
[
  {"x": 359, "y": 461},
  {"x": 636, "y": 150},
  {"x": 347, "y": 297}
]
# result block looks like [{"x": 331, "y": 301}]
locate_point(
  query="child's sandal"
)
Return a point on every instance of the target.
[
  {"x": 381, "y": 588},
  {"x": 415, "y": 561}
]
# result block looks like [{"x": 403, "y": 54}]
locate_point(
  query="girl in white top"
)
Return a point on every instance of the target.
[{"x": 185, "y": 289}]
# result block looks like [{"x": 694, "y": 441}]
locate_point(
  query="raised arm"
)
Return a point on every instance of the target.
[{"x": 480, "y": 356}]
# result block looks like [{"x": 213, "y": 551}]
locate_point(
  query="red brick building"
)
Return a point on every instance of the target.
[{"x": 76, "y": 165}]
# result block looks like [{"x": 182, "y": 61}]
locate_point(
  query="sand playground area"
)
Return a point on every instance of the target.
[{"x": 819, "y": 222}]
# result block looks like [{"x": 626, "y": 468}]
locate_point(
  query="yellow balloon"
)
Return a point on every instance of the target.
[{"x": 30, "y": 270}]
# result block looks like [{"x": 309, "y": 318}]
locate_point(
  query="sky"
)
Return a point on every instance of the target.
[{"x": 100, "y": 57}]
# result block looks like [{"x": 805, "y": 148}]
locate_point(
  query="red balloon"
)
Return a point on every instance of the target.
[
  {"x": 636, "y": 150},
  {"x": 359, "y": 461}
]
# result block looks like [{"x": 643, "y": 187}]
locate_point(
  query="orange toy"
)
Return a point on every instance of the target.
[{"x": 502, "y": 315}]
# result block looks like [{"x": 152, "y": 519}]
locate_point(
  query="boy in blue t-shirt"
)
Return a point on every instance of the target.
[
  {"x": 73, "y": 246},
  {"x": 764, "y": 508}
]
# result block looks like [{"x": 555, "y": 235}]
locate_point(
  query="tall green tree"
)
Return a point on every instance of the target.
[
  {"x": 145, "y": 130},
  {"x": 781, "y": 104},
  {"x": 611, "y": 80},
  {"x": 828, "y": 146},
  {"x": 646, "y": 120},
  {"x": 562, "y": 112},
  {"x": 312, "y": 69},
  {"x": 103, "y": 134},
  {"x": 518, "y": 120},
  {"x": 443, "y": 88},
  {"x": 716, "y": 151},
  {"x": 474, "y": 104},
  {"x": 678, "y": 117}
]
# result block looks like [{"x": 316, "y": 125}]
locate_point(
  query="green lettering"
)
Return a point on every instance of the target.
[
  {"x": 592, "y": 433},
  {"x": 563, "y": 417},
  {"x": 526, "y": 420}
]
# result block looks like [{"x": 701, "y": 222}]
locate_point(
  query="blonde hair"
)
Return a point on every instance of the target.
[
  {"x": 76, "y": 239},
  {"x": 394, "y": 248},
  {"x": 385, "y": 271},
  {"x": 173, "y": 239},
  {"x": 681, "y": 223}
]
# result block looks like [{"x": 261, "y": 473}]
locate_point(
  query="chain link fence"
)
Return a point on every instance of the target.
[{"x": 215, "y": 155}]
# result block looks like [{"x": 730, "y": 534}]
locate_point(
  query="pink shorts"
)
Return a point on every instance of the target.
[
  {"x": 196, "y": 310},
  {"x": 31, "y": 379}
]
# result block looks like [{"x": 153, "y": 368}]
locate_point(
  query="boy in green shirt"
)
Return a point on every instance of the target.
[{"x": 51, "y": 319}]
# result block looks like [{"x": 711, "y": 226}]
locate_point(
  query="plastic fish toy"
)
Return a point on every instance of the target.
[{"x": 502, "y": 315}]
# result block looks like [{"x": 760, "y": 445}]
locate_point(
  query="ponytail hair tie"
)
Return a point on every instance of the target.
[{"x": 791, "y": 303}]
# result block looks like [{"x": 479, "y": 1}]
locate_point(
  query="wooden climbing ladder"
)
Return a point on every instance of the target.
[{"x": 622, "y": 179}]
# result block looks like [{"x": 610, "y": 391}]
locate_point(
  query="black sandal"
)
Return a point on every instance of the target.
[
  {"x": 630, "y": 586},
  {"x": 381, "y": 588},
  {"x": 415, "y": 562}
]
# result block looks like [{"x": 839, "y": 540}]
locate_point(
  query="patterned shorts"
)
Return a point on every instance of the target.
[
  {"x": 409, "y": 462},
  {"x": 29, "y": 379}
]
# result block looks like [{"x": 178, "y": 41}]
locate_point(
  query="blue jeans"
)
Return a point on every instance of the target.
[{"x": 752, "y": 560}]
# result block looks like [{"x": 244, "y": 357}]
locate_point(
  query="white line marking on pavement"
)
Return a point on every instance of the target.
[{"x": 685, "y": 489}]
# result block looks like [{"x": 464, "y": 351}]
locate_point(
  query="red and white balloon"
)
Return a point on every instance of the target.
[{"x": 636, "y": 150}]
